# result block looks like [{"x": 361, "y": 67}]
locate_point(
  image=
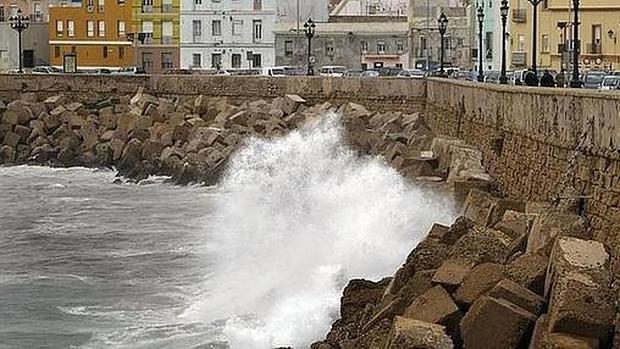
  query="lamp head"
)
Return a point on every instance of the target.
[
  {"x": 442, "y": 22},
  {"x": 504, "y": 8},
  {"x": 480, "y": 13}
]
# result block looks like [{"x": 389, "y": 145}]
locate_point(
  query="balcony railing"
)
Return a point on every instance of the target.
[
  {"x": 166, "y": 8},
  {"x": 147, "y": 8},
  {"x": 166, "y": 40},
  {"x": 519, "y": 59},
  {"x": 519, "y": 15},
  {"x": 595, "y": 49}
]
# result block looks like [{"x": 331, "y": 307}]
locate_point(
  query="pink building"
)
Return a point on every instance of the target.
[{"x": 36, "y": 9}]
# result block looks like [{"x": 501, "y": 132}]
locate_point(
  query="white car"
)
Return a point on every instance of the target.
[
  {"x": 333, "y": 71},
  {"x": 609, "y": 82},
  {"x": 274, "y": 71},
  {"x": 46, "y": 70},
  {"x": 411, "y": 74}
]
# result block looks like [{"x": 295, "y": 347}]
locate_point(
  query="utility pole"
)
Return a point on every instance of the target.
[{"x": 297, "y": 37}]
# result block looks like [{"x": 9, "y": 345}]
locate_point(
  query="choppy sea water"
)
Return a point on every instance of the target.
[{"x": 257, "y": 262}]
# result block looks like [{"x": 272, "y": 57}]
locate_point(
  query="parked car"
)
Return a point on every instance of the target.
[
  {"x": 333, "y": 71},
  {"x": 353, "y": 73},
  {"x": 594, "y": 79},
  {"x": 130, "y": 71},
  {"x": 46, "y": 69},
  {"x": 610, "y": 82},
  {"x": 274, "y": 71},
  {"x": 492, "y": 76},
  {"x": 389, "y": 71},
  {"x": 370, "y": 74},
  {"x": 411, "y": 74}
]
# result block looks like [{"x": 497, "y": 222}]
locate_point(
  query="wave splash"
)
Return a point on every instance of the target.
[{"x": 296, "y": 218}]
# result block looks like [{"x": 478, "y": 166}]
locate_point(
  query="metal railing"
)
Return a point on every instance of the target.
[{"x": 595, "y": 49}]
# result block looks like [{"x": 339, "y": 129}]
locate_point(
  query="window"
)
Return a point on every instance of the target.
[
  {"x": 329, "y": 50},
  {"x": 400, "y": 46},
  {"x": 521, "y": 42},
  {"x": 381, "y": 46},
  {"x": 73, "y": 50},
  {"x": 236, "y": 60},
  {"x": 147, "y": 6},
  {"x": 166, "y": 61},
  {"x": 120, "y": 27},
  {"x": 288, "y": 48},
  {"x": 105, "y": 52},
  {"x": 237, "y": 27},
  {"x": 90, "y": 28},
  {"x": 447, "y": 42},
  {"x": 57, "y": 51},
  {"x": 257, "y": 61},
  {"x": 545, "y": 43},
  {"x": 166, "y": 33},
  {"x": 121, "y": 52},
  {"x": 216, "y": 28},
  {"x": 101, "y": 28},
  {"x": 70, "y": 28},
  {"x": 258, "y": 5},
  {"x": 423, "y": 43},
  {"x": 197, "y": 2},
  {"x": 196, "y": 60},
  {"x": 101, "y": 5},
  {"x": 216, "y": 60},
  {"x": 166, "y": 6},
  {"x": 59, "y": 28},
  {"x": 364, "y": 46},
  {"x": 147, "y": 31},
  {"x": 2, "y": 18},
  {"x": 197, "y": 29},
  {"x": 489, "y": 42},
  {"x": 258, "y": 29},
  {"x": 147, "y": 61},
  {"x": 37, "y": 14}
]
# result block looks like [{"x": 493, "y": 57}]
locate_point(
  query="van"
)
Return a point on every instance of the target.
[{"x": 333, "y": 71}]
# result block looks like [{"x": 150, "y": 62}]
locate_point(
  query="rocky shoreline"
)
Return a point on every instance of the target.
[{"x": 506, "y": 274}]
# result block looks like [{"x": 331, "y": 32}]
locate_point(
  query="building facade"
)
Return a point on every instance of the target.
[
  {"x": 227, "y": 34},
  {"x": 357, "y": 43},
  {"x": 425, "y": 40},
  {"x": 36, "y": 10},
  {"x": 598, "y": 31},
  {"x": 94, "y": 30},
  {"x": 156, "y": 28},
  {"x": 34, "y": 46},
  {"x": 34, "y": 39},
  {"x": 491, "y": 36}
]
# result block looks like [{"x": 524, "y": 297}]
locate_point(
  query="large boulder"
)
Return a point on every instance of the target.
[{"x": 409, "y": 333}]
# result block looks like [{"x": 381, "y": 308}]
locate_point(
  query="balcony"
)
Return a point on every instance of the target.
[
  {"x": 147, "y": 8},
  {"x": 167, "y": 40},
  {"x": 519, "y": 59},
  {"x": 166, "y": 8},
  {"x": 595, "y": 49},
  {"x": 519, "y": 15}
]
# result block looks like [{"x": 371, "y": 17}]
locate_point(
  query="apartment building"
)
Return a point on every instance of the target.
[
  {"x": 491, "y": 35},
  {"x": 157, "y": 27},
  {"x": 228, "y": 34},
  {"x": 96, "y": 31},
  {"x": 425, "y": 40},
  {"x": 357, "y": 42},
  {"x": 598, "y": 31}
]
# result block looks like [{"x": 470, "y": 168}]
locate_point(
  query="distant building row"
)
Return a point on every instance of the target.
[{"x": 161, "y": 35}]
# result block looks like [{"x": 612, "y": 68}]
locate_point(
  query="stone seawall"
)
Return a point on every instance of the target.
[
  {"x": 534, "y": 140},
  {"x": 377, "y": 94}
]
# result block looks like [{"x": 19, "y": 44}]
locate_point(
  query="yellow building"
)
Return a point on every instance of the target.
[
  {"x": 95, "y": 30},
  {"x": 599, "y": 30},
  {"x": 157, "y": 23}
]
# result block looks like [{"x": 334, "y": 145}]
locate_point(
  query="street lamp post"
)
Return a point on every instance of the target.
[
  {"x": 19, "y": 23},
  {"x": 503, "y": 79},
  {"x": 309, "y": 29},
  {"x": 443, "y": 26},
  {"x": 562, "y": 27},
  {"x": 535, "y": 4},
  {"x": 613, "y": 37},
  {"x": 480, "y": 27},
  {"x": 575, "y": 82}
]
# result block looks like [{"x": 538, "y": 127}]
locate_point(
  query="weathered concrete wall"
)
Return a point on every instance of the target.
[
  {"x": 529, "y": 137},
  {"x": 378, "y": 94}
]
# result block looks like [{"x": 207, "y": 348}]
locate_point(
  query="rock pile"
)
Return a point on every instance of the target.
[
  {"x": 506, "y": 274},
  {"x": 189, "y": 139}
]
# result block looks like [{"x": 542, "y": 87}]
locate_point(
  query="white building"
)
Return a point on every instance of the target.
[{"x": 227, "y": 33}]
